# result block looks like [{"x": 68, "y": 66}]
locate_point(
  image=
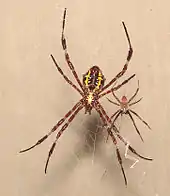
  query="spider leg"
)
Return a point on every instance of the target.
[
  {"x": 116, "y": 97},
  {"x": 100, "y": 108},
  {"x": 130, "y": 147},
  {"x": 140, "y": 119},
  {"x": 113, "y": 102},
  {"x": 137, "y": 90},
  {"x": 134, "y": 125},
  {"x": 60, "y": 133},
  {"x": 133, "y": 103},
  {"x": 117, "y": 87},
  {"x": 130, "y": 52},
  {"x": 61, "y": 121},
  {"x": 65, "y": 77},
  {"x": 118, "y": 153},
  {"x": 104, "y": 116},
  {"x": 64, "y": 45},
  {"x": 130, "y": 157},
  {"x": 118, "y": 112}
]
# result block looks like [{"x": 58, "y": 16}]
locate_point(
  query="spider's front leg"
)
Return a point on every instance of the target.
[
  {"x": 60, "y": 122},
  {"x": 67, "y": 57},
  {"x": 60, "y": 133},
  {"x": 117, "y": 87},
  {"x": 129, "y": 56},
  {"x": 65, "y": 77}
]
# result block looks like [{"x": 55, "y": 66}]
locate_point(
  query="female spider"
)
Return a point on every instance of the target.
[
  {"x": 91, "y": 89},
  {"x": 125, "y": 105}
]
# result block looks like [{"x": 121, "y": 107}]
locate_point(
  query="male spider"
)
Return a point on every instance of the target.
[
  {"x": 91, "y": 89},
  {"x": 124, "y": 105}
]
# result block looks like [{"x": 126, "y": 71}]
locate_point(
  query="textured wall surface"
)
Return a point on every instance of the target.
[{"x": 34, "y": 96}]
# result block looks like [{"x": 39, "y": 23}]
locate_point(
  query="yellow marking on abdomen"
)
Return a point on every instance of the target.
[
  {"x": 87, "y": 78},
  {"x": 99, "y": 81}
]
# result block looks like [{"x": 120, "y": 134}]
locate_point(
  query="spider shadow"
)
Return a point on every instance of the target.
[
  {"x": 60, "y": 172},
  {"x": 92, "y": 135},
  {"x": 91, "y": 138}
]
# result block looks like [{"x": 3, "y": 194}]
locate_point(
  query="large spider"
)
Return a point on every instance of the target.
[
  {"x": 125, "y": 105},
  {"x": 91, "y": 89}
]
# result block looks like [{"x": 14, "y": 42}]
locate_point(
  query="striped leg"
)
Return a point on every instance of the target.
[
  {"x": 104, "y": 116},
  {"x": 64, "y": 45},
  {"x": 60, "y": 133},
  {"x": 61, "y": 121},
  {"x": 65, "y": 77},
  {"x": 117, "y": 87},
  {"x": 129, "y": 56},
  {"x": 118, "y": 153}
]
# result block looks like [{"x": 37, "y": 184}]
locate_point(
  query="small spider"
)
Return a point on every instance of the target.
[
  {"x": 91, "y": 89},
  {"x": 125, "y": 105}
]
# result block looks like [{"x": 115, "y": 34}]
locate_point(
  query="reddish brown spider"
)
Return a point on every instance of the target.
[
  {"x": 124, "y": 105},
  {"x": 91, "y": 89}
]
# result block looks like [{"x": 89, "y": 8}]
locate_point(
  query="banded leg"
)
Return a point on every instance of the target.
[
  {"x": 105, "y": 116},
  {"x": 60, "y": 122},
  {"x": 116, "y": 114},
  {"x": 140, "y": 118},
  {"x": 137, "y": 130},
  {"x": 118, "y": 153},
  {"x": 60, "y": 133},
  {"x": 100, "y": 110},
  {"x": 129, "y": 56},
  {"x": 64, "y": 45},
  {"x": 117, "y": 87},
  {"x": 65, "y": 77}
]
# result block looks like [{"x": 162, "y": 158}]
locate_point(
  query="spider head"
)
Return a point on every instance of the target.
[{"x": 93, "y": 80}]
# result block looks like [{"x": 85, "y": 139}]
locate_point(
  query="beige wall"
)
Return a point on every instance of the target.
[{"x": 33, "y": 96}]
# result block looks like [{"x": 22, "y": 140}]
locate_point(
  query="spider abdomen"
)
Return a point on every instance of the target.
[{"x": 93, "y": 80}]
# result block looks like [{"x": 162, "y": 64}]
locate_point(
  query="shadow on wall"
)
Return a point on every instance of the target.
[{"x": 91, "y": 138}]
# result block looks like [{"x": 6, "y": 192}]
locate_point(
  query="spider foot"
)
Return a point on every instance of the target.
[{"x": 130, "y": 157}]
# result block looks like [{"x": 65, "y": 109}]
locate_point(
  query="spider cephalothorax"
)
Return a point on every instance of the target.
[{"x": 91, "y": 90}]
